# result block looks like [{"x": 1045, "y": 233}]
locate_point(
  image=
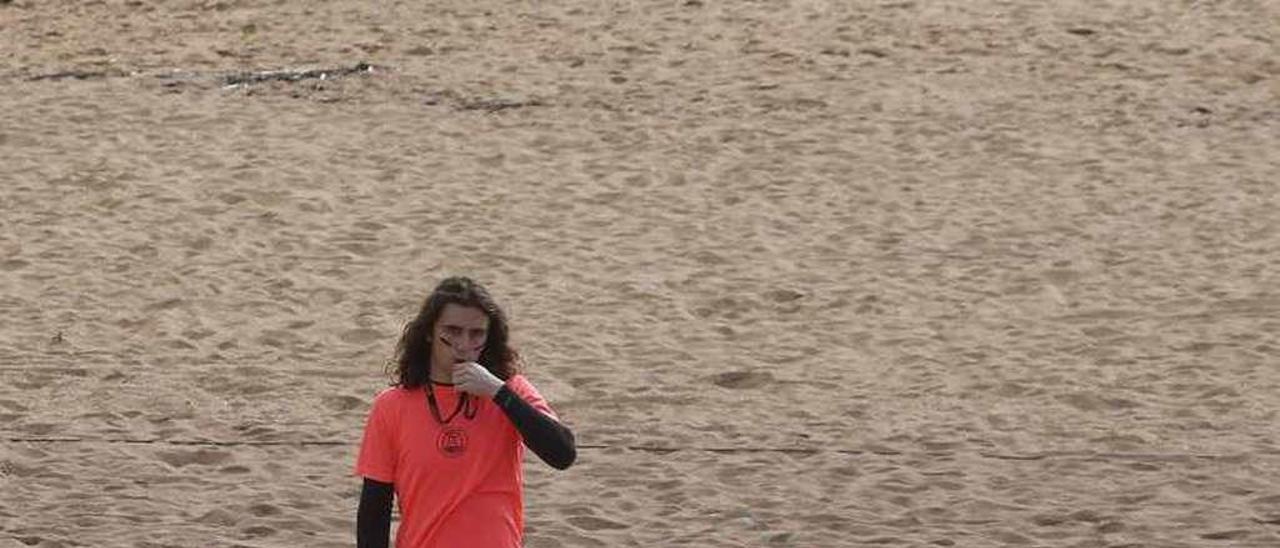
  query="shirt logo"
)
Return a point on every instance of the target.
[{"x": 452, "y": 442}]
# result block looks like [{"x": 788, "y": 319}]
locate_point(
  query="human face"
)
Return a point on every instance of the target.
[{"x": 460, "y": 334}]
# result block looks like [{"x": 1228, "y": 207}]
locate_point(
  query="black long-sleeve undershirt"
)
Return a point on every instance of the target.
[
  {"x": 373, "y": 519},
  {"x": 551, "y": 440},
  {"x": 547, "y": 437}
]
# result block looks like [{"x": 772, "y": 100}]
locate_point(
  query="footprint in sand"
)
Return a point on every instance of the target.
[
  {"x": 1234, "y": 534},
  {"x": 592, "y": 523},
  {"x": 38, "y": 428},
  {"x": 361, "y": 336},
  {"x": 33, "y": 382},
  {"x": 206, "y": 457},
  {"x": 12, "y": 405},
  {"x": 1088, "y": 401},
  {"x": 263, "y": 510},
  {"x": 742, "y": 380},
  {"x": 218, "y": 517},
  {"x": 784, "y": 295},
  {"x": 13, "y": 264},
  {"x": 167, "y": 304},
  {"x": 342, "y": 403},
  {"x": 256, "y": 531}
]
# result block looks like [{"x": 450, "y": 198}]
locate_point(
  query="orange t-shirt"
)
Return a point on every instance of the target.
[{"x": 457, "y": 484}]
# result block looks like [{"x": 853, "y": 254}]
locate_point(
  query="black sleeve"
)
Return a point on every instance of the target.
[
  {"x": 547, "y": 437},
  {"x": 373, "y": 519}
]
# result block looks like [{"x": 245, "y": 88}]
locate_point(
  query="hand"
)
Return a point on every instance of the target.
[{"x": 473, "y": 378}]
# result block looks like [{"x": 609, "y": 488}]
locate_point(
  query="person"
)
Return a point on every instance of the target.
[{"x": 447, "y": 439}]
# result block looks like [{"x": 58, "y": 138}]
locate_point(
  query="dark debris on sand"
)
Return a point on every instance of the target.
[{"x": 247, "y": 78}]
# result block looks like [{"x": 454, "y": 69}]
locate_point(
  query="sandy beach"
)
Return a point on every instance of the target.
[{"x": 798, "y": 273}]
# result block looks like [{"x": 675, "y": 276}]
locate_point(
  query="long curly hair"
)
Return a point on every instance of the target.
[{"x": 412, "y": 364}]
